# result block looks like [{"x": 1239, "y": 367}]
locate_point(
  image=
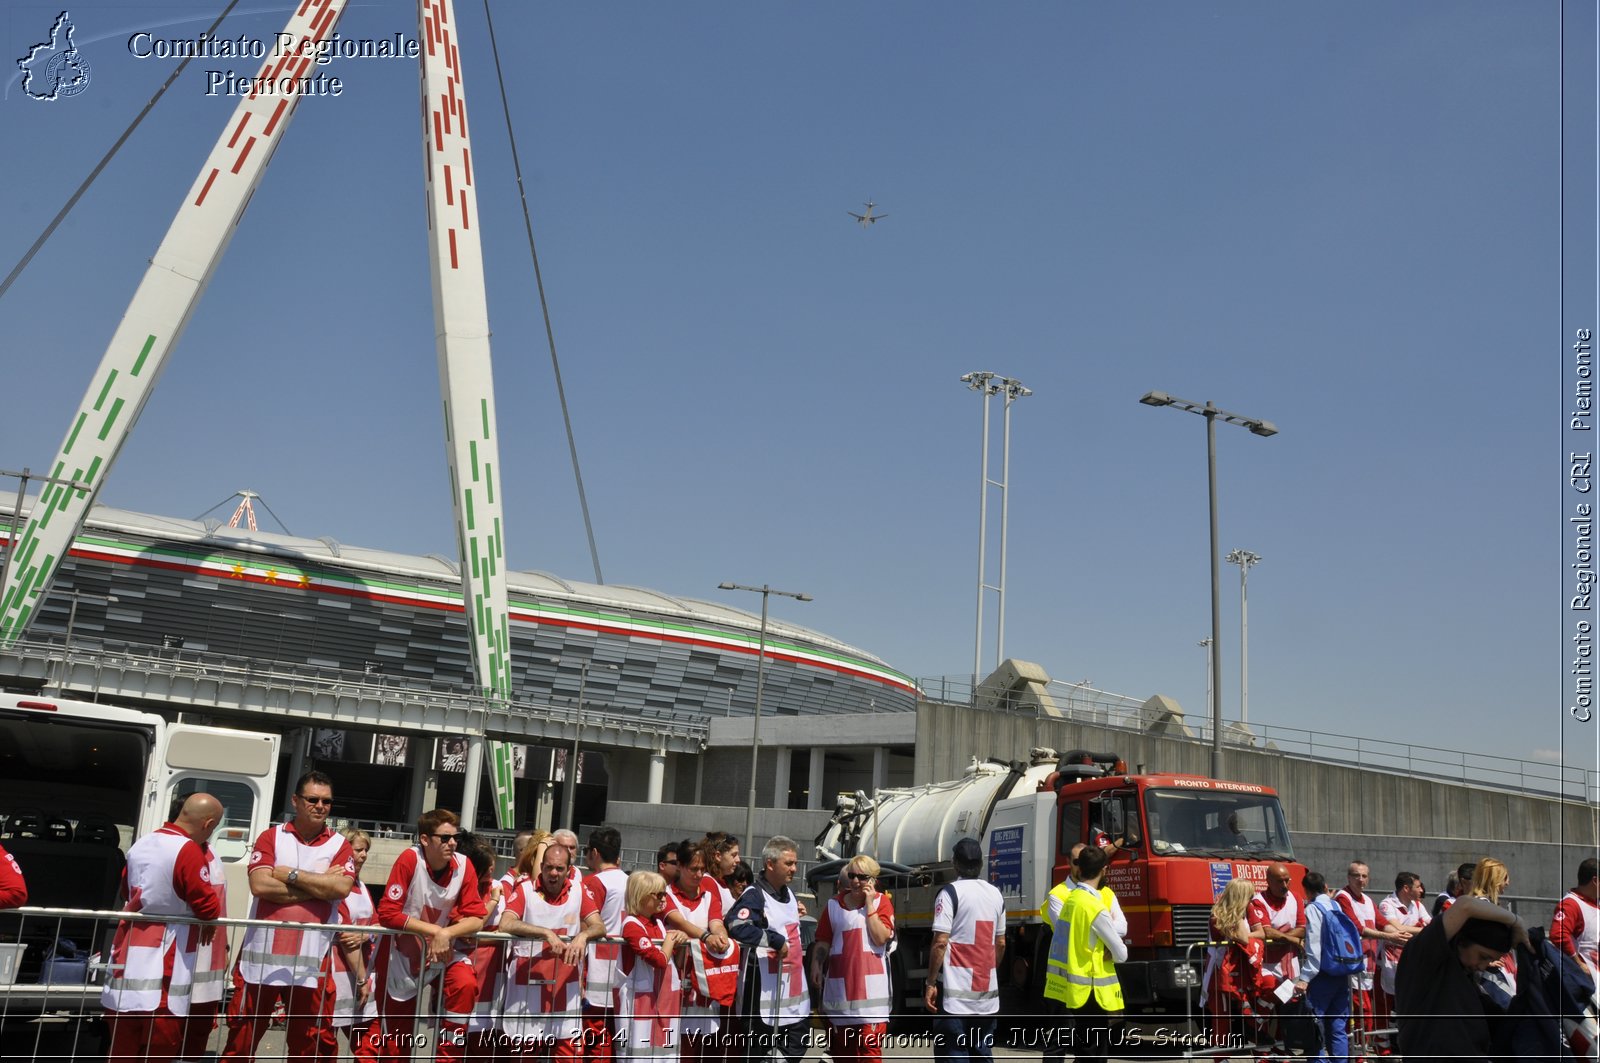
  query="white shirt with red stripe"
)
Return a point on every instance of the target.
[
  {"x": 1367, "y": 916},
  {"x": 413, "y": 892},
  {"x": 856, "y": 985},
  {"x": 1278, "y": 957},
  {"x": 651, "y": 995},
  {"x": 356, "y": 910},
  {"x": 1575, "y": 930},
  {"x": 608, "y": 888},
  {"x": 1396, "y": 911},
  {"x": 281, "y": 955},
  {"x": 543, "y": 996},
  {"x": 712, "y": 977},
  {"x": 973, "y": 913},
  {"x": 153, "y": 965}
]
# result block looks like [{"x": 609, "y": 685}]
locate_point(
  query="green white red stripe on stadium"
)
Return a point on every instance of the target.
[{"x": 265, "y": 572}]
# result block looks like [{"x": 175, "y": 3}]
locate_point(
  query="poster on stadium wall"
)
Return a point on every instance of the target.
[
  {"x": 391, "y": 750},
  {"x": 330, "y": 744},
  {"x": 450, "y": 754}
]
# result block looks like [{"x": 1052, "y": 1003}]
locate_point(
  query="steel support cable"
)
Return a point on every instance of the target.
[
  {"x": 544, "y": 305},
  {"x": 49, "y": 230}
]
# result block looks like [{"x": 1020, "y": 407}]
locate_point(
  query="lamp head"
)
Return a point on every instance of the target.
[
  {"x": 1156, "y": 398},
  {"x": 1264, "y": 428}
]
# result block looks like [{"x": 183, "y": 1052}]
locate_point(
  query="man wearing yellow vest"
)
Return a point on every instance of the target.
[
  {"x": 1083, "y": 949},
  {"x": 1055, "y": 1049}
]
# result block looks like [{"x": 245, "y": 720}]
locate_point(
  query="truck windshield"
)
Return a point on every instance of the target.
[{"x": 1208, "y": 823}]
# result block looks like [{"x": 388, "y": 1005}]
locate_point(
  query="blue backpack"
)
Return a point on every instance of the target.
[{"x": 1341, "y": 944}]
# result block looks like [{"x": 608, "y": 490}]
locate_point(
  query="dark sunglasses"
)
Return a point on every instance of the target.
[
  {"x": 328, "y": 801},
  {"x": 858, "y": 876}
]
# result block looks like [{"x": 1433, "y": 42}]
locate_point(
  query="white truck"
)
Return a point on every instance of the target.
[{"x": 78, "y": 783}]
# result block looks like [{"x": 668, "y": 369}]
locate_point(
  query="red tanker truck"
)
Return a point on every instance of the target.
[{"x": 1186, "y": 837}]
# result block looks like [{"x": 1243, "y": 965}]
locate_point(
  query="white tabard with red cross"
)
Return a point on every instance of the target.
[
  {"x": 973, "y": 913},
  {"x": 650, "y": 997},
  {"x": 543, "y": 1000},
  {"x": 283, "y": 955},
  {"x": 784, "y": 997},
  {"x": 153, "y": 965},
  {"x": 421, "y": 898},
  {"x": 856, "y": 987}
]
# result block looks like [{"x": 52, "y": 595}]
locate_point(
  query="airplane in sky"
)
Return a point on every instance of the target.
[{"x": 868, "y": 218}]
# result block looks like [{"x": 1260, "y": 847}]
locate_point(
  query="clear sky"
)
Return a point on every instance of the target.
[{"x": 1345, "y": 218}]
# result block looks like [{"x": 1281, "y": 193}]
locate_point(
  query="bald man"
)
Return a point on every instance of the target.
[{"x": 164, "y": 984}]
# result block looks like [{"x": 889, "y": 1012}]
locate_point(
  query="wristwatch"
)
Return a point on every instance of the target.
[{"x": 294, "y": 876}]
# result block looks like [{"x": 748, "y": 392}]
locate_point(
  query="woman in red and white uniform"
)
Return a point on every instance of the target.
[
  {"x": 353, "y": 1006},
  {"x": 694, "y": 906},
  {"x": 851, "y": 962},
  {"x": 1232, "y": 980},
  {"x": 651, "y": 993}
]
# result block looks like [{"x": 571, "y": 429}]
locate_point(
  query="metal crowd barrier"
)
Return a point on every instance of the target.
[{"x": 53, "y": 968}]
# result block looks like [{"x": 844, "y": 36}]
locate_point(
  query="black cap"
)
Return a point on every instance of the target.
[{"x": 968, "y": 851}]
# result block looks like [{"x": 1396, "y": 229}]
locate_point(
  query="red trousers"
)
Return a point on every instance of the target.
[
  {"x": 393, "y": 1035},
  {"x": 154, "y": 1036},
  {"x": 860, "y": 1043},
  {"x": 309, "y": 1035},
  {"x": 599, "y": 1032}
]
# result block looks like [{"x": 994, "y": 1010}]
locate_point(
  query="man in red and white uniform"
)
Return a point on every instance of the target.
[
  {"x": 1575, "y": 926},
  {"x": 694, "y": 907},
  {"x": 300, "y": 872},
  {"x": 543, "y": 1009},
  {"x": 151, "y": 993},
  {"x": 851, "y": 961},
  {"x": 432, "y": 894},
  {"x": 969, "y": 943},
  {"x": 1281, "y": 918},
  {"x": 1405, "y": 912},
  {"x": 13, "y": 889},
  {"x": 1367, "y": 1010},
  {"x": 773, "y": 997},
  {"x": 607, "y": 885}
]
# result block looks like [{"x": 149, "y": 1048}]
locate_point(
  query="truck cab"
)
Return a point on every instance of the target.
[{"x": 1178, "y": 840}]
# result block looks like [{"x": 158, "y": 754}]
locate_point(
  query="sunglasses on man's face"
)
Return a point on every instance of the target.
[{"x": 321, "y": 802}]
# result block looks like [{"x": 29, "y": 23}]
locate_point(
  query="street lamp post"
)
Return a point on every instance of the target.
[
  {"x": 761, "y": 674},
  {"x": 1244, "y": 559},
  {"x": 1257, "y": 427},
  {"x": 577, "y": 734},
  {"x": 1211, "y": 698},
  {"x": 72, "y": 620}
]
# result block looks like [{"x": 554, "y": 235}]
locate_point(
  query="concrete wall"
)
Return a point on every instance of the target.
[
  {"x": 1395, "y": 822},
  {"x": 648, "y": 826}
]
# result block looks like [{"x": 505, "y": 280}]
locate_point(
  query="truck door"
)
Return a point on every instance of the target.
[
  {"x": 1069, "y": 832},
  {"x": 235, "y": 767},
  {"x": 1116, "y": 812}
]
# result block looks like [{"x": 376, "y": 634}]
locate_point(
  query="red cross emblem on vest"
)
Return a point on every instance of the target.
[
  {"x": 977, "y": 957},
  {"x": 788, "y": 966},
  {"x": 659, "y": 1009},
  {"x": 854, "y": 963}
]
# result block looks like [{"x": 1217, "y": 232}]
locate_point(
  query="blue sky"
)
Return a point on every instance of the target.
[{"x": 1344, "y": 218}]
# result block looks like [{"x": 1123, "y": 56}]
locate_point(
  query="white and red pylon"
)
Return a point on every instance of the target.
[{"x": 178, "y": 274}]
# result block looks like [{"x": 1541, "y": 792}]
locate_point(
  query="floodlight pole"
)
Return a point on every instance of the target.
[
  {"x": 989, "y": 384},
  {"x": 1244, "y": 559}
]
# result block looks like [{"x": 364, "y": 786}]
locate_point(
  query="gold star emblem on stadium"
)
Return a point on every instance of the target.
[
  {"x": 272, "y": 575},
  {"x": 238, "y": 572},
  {"x": 305, "y": 580}
]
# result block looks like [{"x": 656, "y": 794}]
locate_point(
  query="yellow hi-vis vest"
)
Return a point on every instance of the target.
[{"x": 1078, "y": 961}]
